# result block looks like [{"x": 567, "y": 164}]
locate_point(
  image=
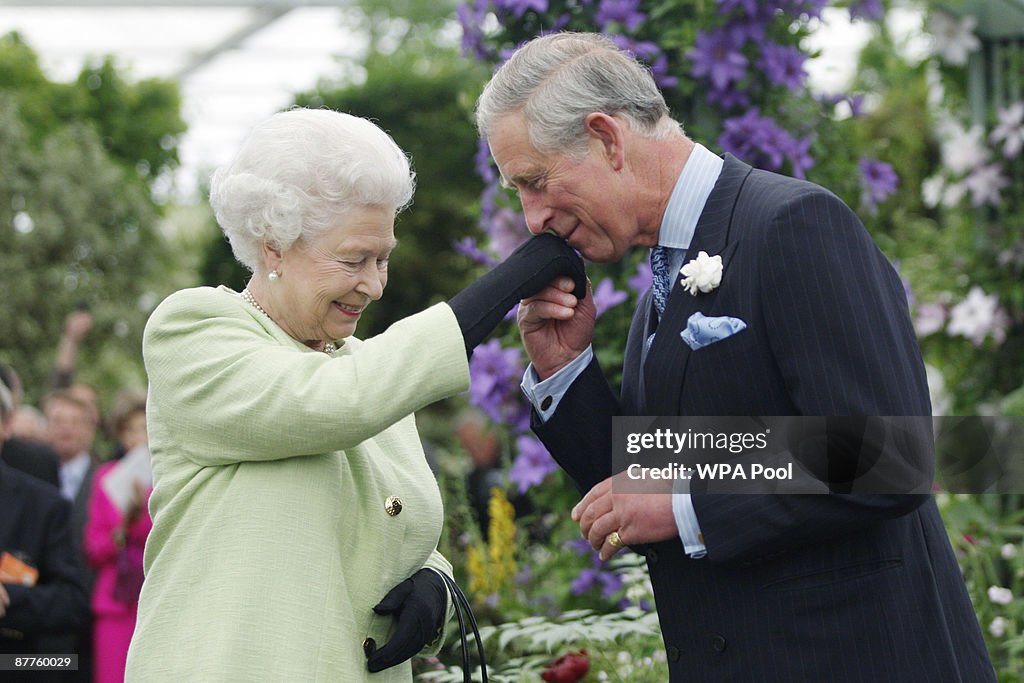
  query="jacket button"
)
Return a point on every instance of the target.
[
  {"x": 673, "y": 653},
  {"x": 652, "y": 556},
  {"x": 718, "y": 643},
  {"x": 369, "y": 645},
  {"x": 393, "y": 505}
]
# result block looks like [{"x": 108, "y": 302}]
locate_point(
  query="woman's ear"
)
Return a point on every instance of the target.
[
  {"x": 271, "y": 257},
  {"x": 608, "y": 132}
]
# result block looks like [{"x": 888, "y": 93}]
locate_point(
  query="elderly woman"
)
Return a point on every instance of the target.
[{"x": 295, "y": 520}]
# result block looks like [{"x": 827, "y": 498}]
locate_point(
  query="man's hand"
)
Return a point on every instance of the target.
[
  {"x": 555, "y": 326},
  {"x": 5, "y": 601},
  {"x": 77, "y": 325},
  {"x": 638, "y": 517}
]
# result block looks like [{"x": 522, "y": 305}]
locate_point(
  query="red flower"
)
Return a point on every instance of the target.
[{"x": 567, "y": 668}]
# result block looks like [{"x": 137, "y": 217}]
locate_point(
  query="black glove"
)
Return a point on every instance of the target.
[
  {"x": 419, "y": 605},
  {"x": 530, "y": 268}
]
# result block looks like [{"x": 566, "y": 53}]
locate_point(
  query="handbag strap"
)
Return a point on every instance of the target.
[{"x": 465, "y": 613}]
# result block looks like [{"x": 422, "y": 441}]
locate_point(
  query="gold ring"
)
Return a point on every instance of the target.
[{"x": 614, "y": 540}]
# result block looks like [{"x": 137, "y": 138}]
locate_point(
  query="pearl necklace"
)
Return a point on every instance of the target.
[{"x": 247, "y": 296}]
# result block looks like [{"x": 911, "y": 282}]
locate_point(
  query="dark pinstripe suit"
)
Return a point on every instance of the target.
[{"x": 793, "y": 588}]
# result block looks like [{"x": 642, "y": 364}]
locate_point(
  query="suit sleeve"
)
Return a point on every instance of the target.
[
  {"x": 215, "y": 375},
  {"x": 58, "y": 601},
  {"x": 840, "y": 332},
  {"x": 579, "y": 434}
]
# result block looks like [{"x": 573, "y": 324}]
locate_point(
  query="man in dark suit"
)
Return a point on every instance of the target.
[
  {"x": 72, "y": 422},
  {"x": 32, "y": 457},
  {"x": 43, "y": 589},
  {"x": 809, "y": 319}
]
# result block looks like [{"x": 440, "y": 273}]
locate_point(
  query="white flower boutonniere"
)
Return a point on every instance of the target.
[{"x": 703, "y": 273}]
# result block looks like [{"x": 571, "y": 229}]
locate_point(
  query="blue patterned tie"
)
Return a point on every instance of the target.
[{"x": 661, "y": 283}]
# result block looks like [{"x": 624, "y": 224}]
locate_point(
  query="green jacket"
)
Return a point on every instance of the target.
[{"x": 272, "y": 463}]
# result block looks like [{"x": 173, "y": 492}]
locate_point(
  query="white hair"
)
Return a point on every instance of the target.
[
  {"x": 558, "y": 79},
  {"x": 301, "y": 170}
]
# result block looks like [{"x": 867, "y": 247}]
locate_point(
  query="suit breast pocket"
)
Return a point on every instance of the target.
[{"x": 737, "y": 342}]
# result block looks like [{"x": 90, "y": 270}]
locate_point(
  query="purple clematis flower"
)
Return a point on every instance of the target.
[
  {"x": 716, "y": 56},
  {"x": 508, "y": 230},
  {"x": 870, "y": 10},
  {"x": 532, "y": 465},
  {"x": 607, "y": 297},
  {"x": 496, "y": 373},
  {"x": 472, "y": 19},
  {"x": 520, "y": 7},
  {"x": 641, "y": 281},
  {"x": 783, "y": 65},
  {"x": 762, "y": 142},
  {"x": 467, "y": 246},
  {"x": 587, "y": 579},
  {"x": 879, "y": 181},
  {"x": 729, "y": 98},
  {"x": 746, "y": 6},
  {"x": 482, "y": 162},
  {"x": 623, "y": 12}
]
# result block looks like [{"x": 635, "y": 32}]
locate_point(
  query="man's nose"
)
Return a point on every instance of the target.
[{"x": 537, "y": 214}]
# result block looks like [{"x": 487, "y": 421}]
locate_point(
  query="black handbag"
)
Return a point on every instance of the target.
[{"x": 465, "y": 614}]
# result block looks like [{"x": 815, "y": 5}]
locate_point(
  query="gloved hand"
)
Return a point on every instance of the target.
[
  {"x": 419, "y": 605},
  {"x": 530, "y": 268}
]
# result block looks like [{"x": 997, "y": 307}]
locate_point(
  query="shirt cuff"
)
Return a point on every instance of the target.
[
  {"x": 545, "y": 396},
  {"x": 686, "y": 520}
]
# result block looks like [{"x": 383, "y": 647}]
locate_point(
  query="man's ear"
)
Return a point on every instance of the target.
[{"x": 609, "y": 133}]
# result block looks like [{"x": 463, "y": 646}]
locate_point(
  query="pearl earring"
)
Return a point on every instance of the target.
[{"x": 272, "y": 275}]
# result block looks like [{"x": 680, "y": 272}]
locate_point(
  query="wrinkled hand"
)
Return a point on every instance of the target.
[
  {"x": 419, "y": 605},
  {"x": 5, "y": 601},
  {"x": 638, "y": 517},
  {"x": 555, "y": 326}
]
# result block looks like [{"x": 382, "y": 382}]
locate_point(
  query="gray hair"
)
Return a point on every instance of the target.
[
  {"x": 558, "y": 79},
  {"x": 301, "y": 170},
  {"x": 6, "y": 404}
]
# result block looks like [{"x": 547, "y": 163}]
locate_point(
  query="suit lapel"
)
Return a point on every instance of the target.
[
  {"x": 666, "y": 363},
  {"x": 632, "y": 398},
  {"x": 9, "y": 493}
]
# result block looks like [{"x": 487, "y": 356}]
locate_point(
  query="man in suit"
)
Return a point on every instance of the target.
[
  {"x": 33, "y": 457},
  {"x": 73, "y": 418},
  {"x": 35, "y": 544},
  {"x": 749, "y": 588}
]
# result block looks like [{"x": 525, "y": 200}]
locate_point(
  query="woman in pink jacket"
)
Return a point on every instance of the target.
[{"x": 113, "y": 541}]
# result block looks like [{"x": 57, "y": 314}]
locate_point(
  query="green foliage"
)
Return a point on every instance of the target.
[
  {"x": 987, "y": 533},
  {"x": 138, "y": 123},
  {"x": 77, "y": 218}
]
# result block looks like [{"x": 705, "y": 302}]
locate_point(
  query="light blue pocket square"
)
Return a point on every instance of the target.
[{"x": 701, "y": 330}]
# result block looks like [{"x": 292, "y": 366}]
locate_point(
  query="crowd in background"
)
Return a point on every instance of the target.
[{"x": 74, "y": 516}]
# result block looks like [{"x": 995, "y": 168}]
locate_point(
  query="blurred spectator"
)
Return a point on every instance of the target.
[
  {"x": 30, "y": 456},
  {"x": 76, "y": 327},
  {"x": 480, "y": 440},
  {"x": 29, "y": 423},
  {"x": 115, "y": 536},
  {"x": 41, "y": 583},
  {"x": 72, "y": 422},
  {"x": 127, "y": 421}
]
